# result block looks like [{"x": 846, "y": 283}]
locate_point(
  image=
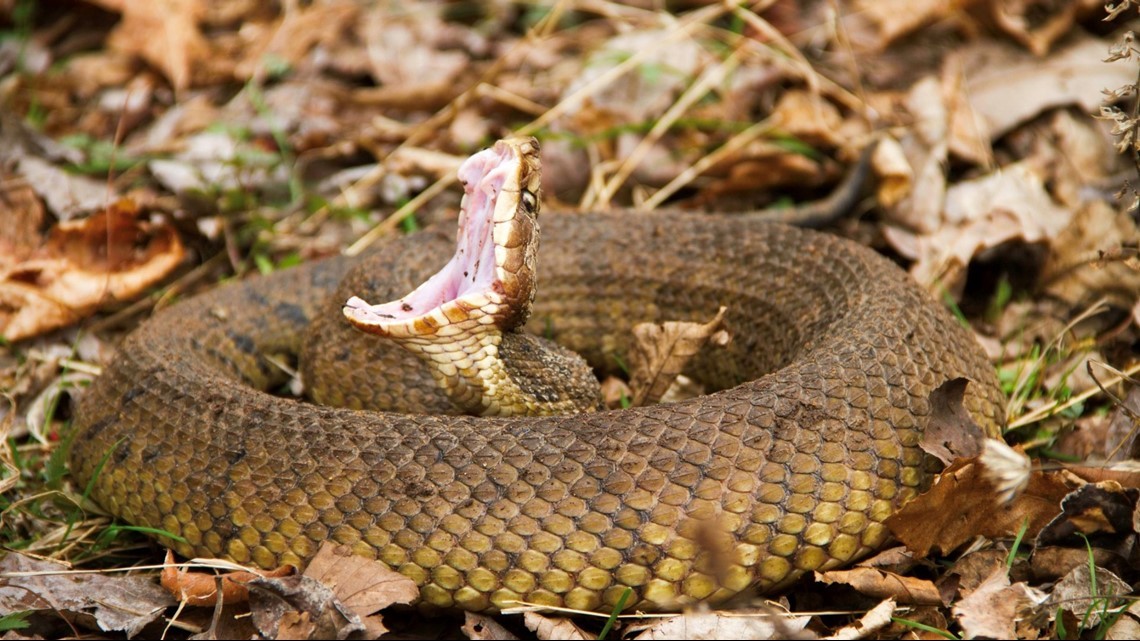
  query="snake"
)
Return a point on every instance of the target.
[{"x": 808, "y": 437}]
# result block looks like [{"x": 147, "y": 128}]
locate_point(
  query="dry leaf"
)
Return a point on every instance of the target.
[
  {"x": 980, "y": 214},
  {"x": 1008, "y": 87},
  {"x": 738, "y": 624},
  {"x": 67, "y": 195},
  {"x": 300, "y": 607},
  {"x": 885, "y": 585},
  {"x": 1079, "y": 268},
  {"x": 893, "y": 19},
  {"x": 164, "y": 33},
  {"x": 660, "y": 352},
  {"x": 362, "y": 585},
  {"x": 876, "y": 619},
  {"x": 1095, "y": 508},
  {"x": 1127, "y": 626},
  {"x": 96, "y": 601},
  {"x": 918, "y": 204},
  {"x": 1075, "y": 594},
  {"x": 1037, "y": 24},
  {"x": 21, "y": 217},
  {"x": 479, "y": 627},
  {"x": 976, "y": 567},
  {"x": 952, "y": 433},
  {"x": 554, "y": 628},
  {"x": 995, "y": 607},
  {"x": 961, "y": 504},
  {"x": 109, "y": 256},
  {"x": 201, "y": 588}
]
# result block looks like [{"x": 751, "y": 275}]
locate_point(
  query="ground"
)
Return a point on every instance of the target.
[{"x": 153, "y": 149}]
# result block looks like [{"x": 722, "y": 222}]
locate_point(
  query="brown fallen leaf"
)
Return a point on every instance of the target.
[
  {"x": 201, "y": 588},
  {"x": 876, "y": 619},
  {"x": 995, "y": 607},
  {"x": 952, "y": 433},
  {"x": 479, "y": 627},
  {"x": 885, "y": 585},
  {"x": 1105, "y": 507},
  {"x": 704, "y": 624},
  {"x": 974, "y": 568},
  {"x": 1127, "y": 626},
  {"x": 21, "y": 216},
  {"x": 165, "y": 33},
  {"x": 1081, "y": 267},
  {"x": 1087, "y": 599},
  {"x": 84, "y": 264},
  {"x": 961, "y": 505},
  {"x": 1050, "y": 563},
  {"x": 554, "y": 628},
  {"x": 1008, "y": 205},
  {"x": 362, "y": 585},
  {"x": 1008, "y": 86},
  {"x": 660, "y": 352},
  {"x": 1037, "y": 25},
  {"x": 92, "y": 601},
  {"x": 300, "y": 607}
]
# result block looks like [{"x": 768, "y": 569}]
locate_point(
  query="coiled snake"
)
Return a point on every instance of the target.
[{"x": 792, "y": 467}]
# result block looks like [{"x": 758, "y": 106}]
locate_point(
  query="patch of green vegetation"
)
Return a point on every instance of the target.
[
  {"x": 266, "y": 265},
  {"x": 287, "y": 155},
  {"x": 925, "y": 628},
  {"x": 618, "y": 607},
  {"x": 23, "y": 14},
  {"x": 15, "y": 620},
  {"x": 101, "y": 156},
  {"x": 1001, "y": 298},
  {"x": 409, "y": 224}
]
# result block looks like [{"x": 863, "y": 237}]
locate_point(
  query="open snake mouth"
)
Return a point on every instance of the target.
[{"x": 490, "y": 278}]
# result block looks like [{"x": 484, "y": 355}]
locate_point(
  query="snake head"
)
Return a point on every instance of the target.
[{"x": 490, "y": 281}]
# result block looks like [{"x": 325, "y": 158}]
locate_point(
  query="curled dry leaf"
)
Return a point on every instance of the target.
[
  {"x": 1105, "y": 507},
  {"x": 109, "y": 256},
  {"x": 961, "y": 504},
  {"x": 885, "y": 585},
  {"x": 201, "y": 588},
  {"x": 994, "y": 609},
  {"x": 660, "y": 352}
]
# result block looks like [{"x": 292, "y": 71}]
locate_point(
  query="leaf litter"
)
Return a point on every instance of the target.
[{"x": 196, "y": 139}]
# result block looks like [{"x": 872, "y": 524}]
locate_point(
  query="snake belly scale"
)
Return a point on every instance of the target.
[{"x": 793, "y": 466}]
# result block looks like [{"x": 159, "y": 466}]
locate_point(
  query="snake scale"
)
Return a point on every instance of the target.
[{"x": 811, "y": 442}]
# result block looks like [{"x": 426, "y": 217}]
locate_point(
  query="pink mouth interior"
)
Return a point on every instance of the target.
[{"x": 472, "y": 268}]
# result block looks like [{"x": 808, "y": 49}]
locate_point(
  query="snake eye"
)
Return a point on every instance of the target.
[{"x": 529, "y": 201}]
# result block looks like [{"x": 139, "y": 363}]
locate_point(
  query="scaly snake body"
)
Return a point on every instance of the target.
[{"x": 791, "y": 468}]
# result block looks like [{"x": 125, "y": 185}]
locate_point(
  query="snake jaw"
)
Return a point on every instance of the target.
[
  {"x": 489, "y": 282},
  {"x": 460, "y": 321}
]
